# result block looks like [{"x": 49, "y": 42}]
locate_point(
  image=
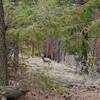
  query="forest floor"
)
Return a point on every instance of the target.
[{"x": 72, "y": 85}]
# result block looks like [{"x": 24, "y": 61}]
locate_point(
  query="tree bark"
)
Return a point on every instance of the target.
[
  {"x": 3, "y": 53},
  {"x": 84, "y": 46},
  {"x": 33, "y": 49},
  {"x": 16, "y": 53},
  {"x": 58, "y": 53}
]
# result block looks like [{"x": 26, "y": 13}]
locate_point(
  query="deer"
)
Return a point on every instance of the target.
[{"x": 45, "y": 60}]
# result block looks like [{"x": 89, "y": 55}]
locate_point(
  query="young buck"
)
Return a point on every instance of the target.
[{"x": 45, "y": 60}]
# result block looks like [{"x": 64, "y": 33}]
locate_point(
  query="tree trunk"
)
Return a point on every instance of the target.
[
  {"x": 84, "y": 46},
  {"x": 33, "y": 47},
  {"x": 16, "y": 53},
  {"x": 58, "y": 53},
  {"x": 3, "y": 54},
  {"x": 16, "y": 58},
  {"x": 3, "y": 98}
]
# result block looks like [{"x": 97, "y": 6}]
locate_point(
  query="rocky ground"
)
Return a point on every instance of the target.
[
  {"x": 61, "y": 71},
  {"x": 81, "y": 87}
]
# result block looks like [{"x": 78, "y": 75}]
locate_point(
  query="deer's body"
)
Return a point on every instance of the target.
[{"x": 46, "y": 60}]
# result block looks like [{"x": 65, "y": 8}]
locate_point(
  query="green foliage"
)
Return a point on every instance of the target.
[
  {"x": 48, "y": 84},
  {"x": 35, "y": 21},
  {"x": 95, "y": 28}
]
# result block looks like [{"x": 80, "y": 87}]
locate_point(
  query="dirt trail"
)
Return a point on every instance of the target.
[{"x": 90, "y": 90}]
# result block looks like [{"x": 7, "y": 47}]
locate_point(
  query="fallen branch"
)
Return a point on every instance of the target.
[{"x": 9, "y": 92}]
